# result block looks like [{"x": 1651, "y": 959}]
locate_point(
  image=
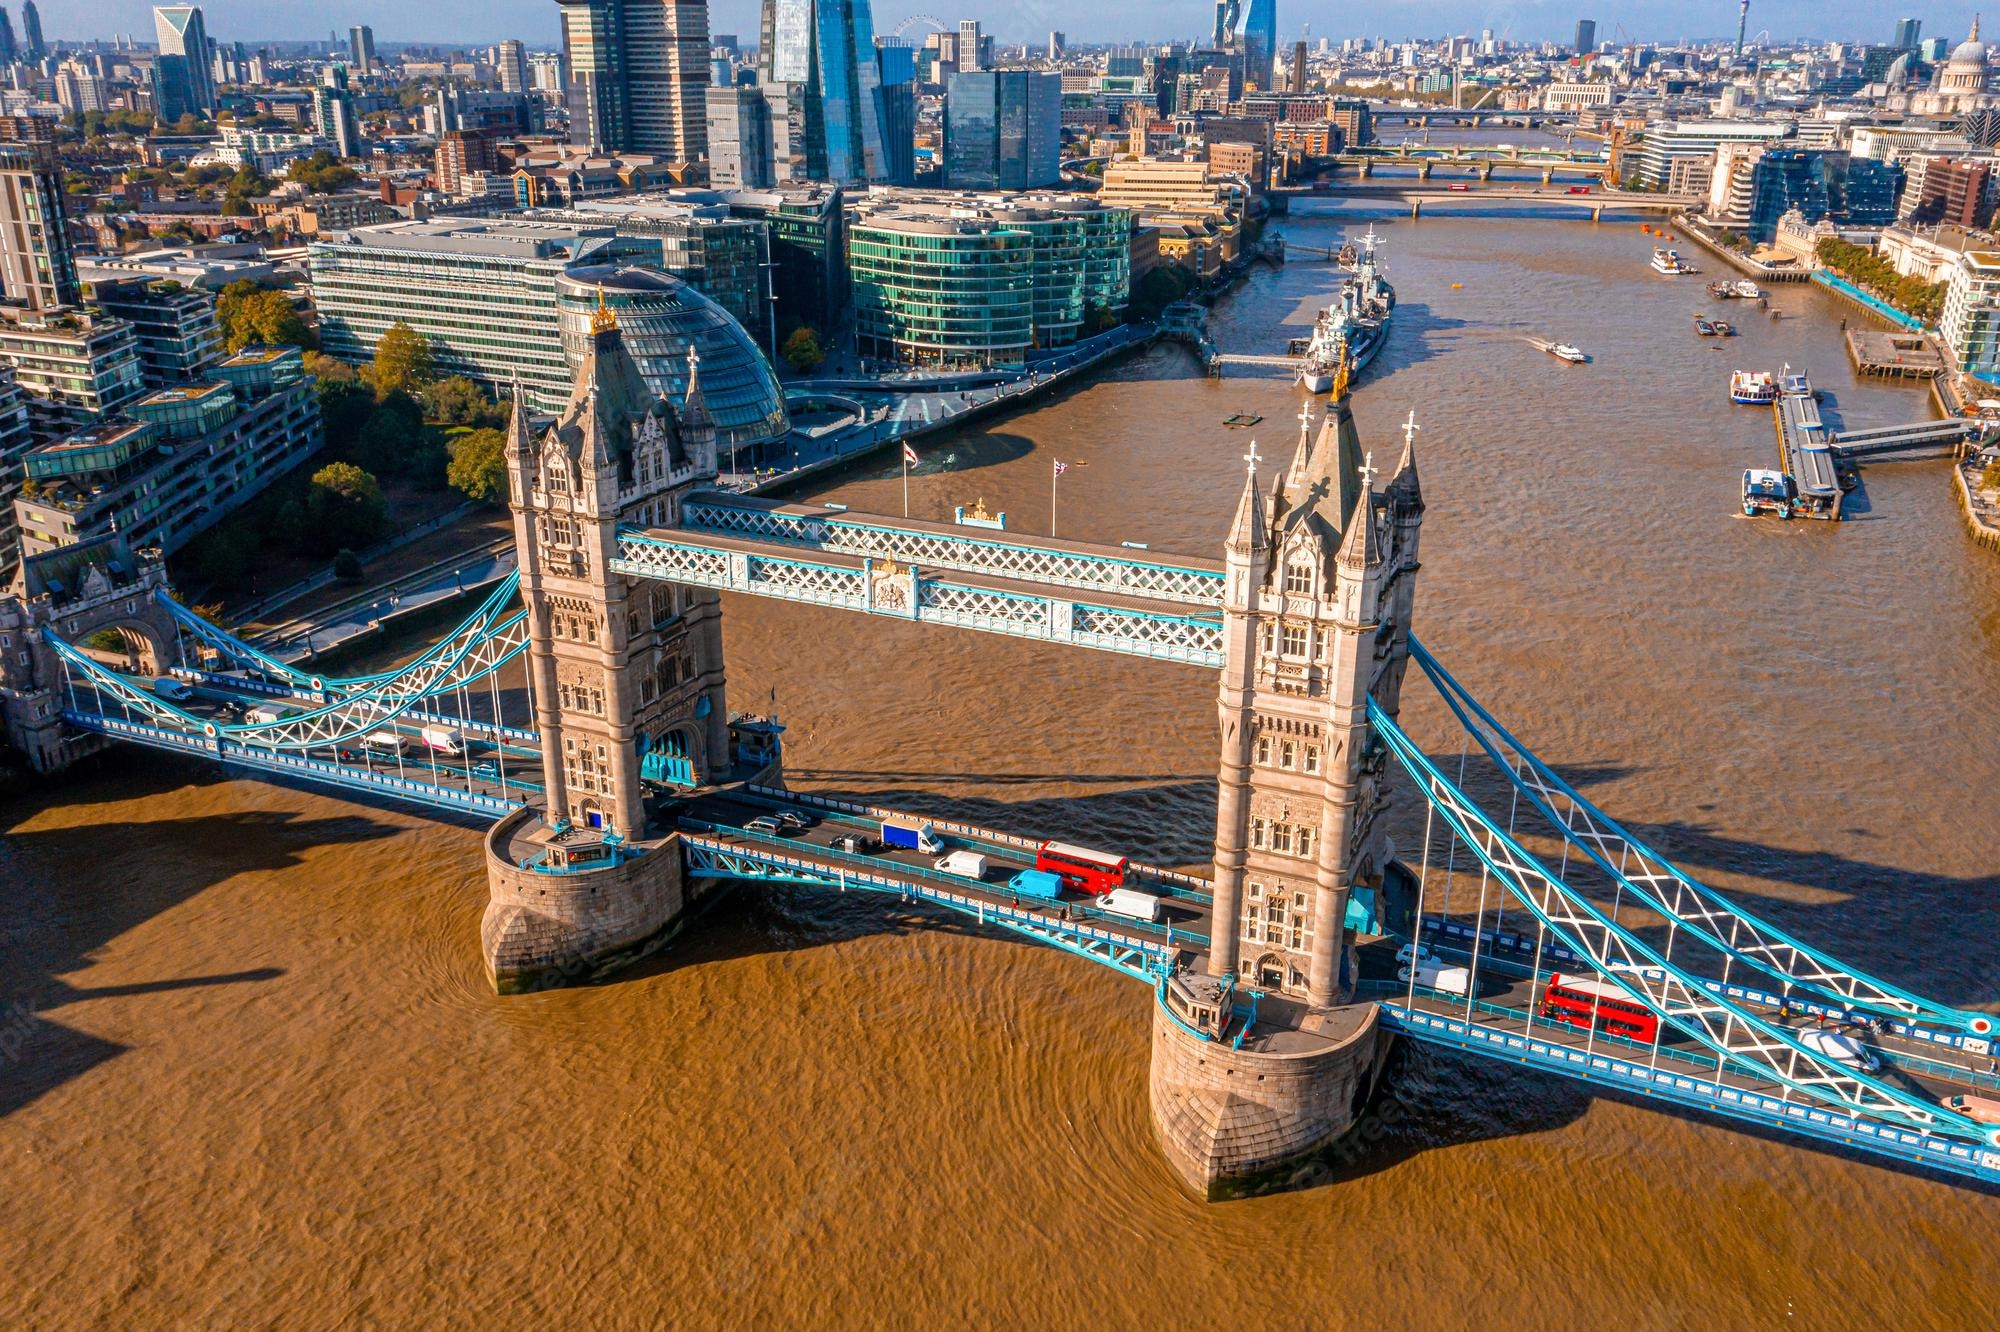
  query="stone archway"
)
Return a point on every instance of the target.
[{"x": 131, "y": 646}]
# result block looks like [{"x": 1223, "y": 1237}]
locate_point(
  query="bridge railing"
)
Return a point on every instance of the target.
[
  {"x": 1198, "y": 887},
  {"x": 786, "y": 851}
]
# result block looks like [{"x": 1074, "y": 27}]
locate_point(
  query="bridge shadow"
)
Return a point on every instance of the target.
[{"x": 67, "y": 892}]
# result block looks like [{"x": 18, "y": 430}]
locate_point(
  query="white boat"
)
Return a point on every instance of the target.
[
  {"x": 1753, "y": 387},
  {"x": 1669, "y": 262},
  {"x": 1746, "y": 290},
  {"x": 1354, "y": 328},
  {"x": 1563, "y": 351},
  {"x": 1794, "y": 383}
]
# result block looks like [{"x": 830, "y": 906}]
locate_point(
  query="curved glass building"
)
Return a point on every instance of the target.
[{"x": 661, "y": 317}]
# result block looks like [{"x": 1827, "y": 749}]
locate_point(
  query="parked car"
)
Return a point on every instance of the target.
[
  {"x": 767, "y": 824},
  {"x": 793, "y": 821}
]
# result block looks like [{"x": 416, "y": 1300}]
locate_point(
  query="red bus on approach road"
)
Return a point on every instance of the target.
[
  {"x": 1087, "y": 871},
  {"x": 1583, "y": 1001}
]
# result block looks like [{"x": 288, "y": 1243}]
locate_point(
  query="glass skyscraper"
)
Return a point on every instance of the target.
[
  {"x": 823, "y": 51},
  {"x": 182, "y": 80},
  {"x": 1003, "y": 130},
  {"x": 638, "y": 75}
]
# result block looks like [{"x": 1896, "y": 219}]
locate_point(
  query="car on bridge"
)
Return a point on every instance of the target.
[
  {"x": 1840, "y": 1048},
  {"x": 172, "y": 690},
  {"x": 794, "y": 821},
  {"x": 768, "y": 825}
]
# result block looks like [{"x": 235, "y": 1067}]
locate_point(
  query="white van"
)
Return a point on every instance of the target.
[
  {"x": 1130, "y": 902},
  {"x": 965, "y": 864},
  {"x": 1450, "y": 980},
  {"x": 383, "y": 742},
  {"x": 264, "y": 714},
  {"x": 443, "y": 739},
  {"x": 1839, "y": 1047},
  {"x": 172, "y": 690}
]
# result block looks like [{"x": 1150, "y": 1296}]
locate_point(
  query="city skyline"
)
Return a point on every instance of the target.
[{"x": 457, "y": 23}]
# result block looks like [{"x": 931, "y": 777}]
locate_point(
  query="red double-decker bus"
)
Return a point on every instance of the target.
[
  {"x": 1583, "y": 1001},
  {"x": 1081, "y": 868}
]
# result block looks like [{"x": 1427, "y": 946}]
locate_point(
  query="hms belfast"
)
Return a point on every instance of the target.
[{"x": 1351, "y": 330}]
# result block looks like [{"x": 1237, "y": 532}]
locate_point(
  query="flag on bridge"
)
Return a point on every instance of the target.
[
  {"x": 910, "y": 455},
  {"x": 1061, "y": 467}
]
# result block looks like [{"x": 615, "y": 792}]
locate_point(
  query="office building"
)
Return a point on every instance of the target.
[
  {"x": 898, "y": 120},
  {"x": 968, "y": 45},
  {"x": 174, "y": 327},
  {"x": 176, "y": 462},
  {"x": 1909, "y": 32},
  {"x": 361, "y": 47},
  {"x": 484, "y": 292},
  {"x": 74, "y": 366},
  {"x": 1003, "y": 130},
  {"x": 638, "y": 75},
  {"x": 699, "y": 242},
  {"x": 1781, "y": 180},
  {"x": 1939, "y": 190},
  {"x": 183, "y": 77},
  {"x": 739, "y": 138},
  {"x": 32, "y": 45},
  {"x": 37, "y": 265},
  {"x": 826, "y": 116},
  {"x": 662, "y": 318},
  {"x": 10, "y": 49},
  {"x": 1586, "y": 36},
  {"x": 1252, "y": 35},
  {"x": 1869, "y": 193},
  {"x": 807, "y": 227},
  {"x": 946, "y": 281},
  {"x": 1056, "y": 43},
  {"x": 1697, "y": 138},
  {"x": 513, "y": 66}
]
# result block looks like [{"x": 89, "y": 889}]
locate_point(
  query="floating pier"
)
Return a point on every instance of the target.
[
  {"x": 1893, "y": 355},
  {"x": 1805, "y": 453}
]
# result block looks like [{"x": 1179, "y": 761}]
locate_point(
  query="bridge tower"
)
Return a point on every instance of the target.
[
  {"x": 1321, "y": 571},
  {"x": 626, "y": 673}
]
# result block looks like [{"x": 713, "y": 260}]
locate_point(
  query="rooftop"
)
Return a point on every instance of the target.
[{"x": 502, "y": 237}]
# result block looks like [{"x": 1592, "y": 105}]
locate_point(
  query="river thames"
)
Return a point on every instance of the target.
[{"x": 251, "y": 1071}]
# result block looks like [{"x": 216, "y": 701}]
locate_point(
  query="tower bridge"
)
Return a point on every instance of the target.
[{"x": 621, "y": 790}]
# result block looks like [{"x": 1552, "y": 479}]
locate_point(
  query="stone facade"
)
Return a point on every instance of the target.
[
  {"x": 1321, "y": 574},
  {"x": 1236, "y": 1122},
  {"x": 75, "y": 591},
  {"x": 544, "y": 930}
]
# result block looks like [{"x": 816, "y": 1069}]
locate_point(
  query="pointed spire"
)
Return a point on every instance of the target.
[
  {"x": 1247, "y": 534},
  {"x": 520, "y": 437},
  {"x": 1361, "y": 548},
  {"x": 1303, "y": 458},
  {"x": 694, "y": 407},
  {"x": 1403, "y": 486}
]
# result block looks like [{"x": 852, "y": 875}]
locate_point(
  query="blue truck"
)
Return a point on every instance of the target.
[
  {"x": 911, "y": 836},
  {"x": 1037, "y": 883}
]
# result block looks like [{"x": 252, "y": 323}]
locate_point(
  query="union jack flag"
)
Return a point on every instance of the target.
[{"x": 1061, "y": 467}]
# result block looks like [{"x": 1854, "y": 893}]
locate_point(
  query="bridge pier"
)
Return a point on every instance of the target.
[{"x": 1236, "y": 1122}]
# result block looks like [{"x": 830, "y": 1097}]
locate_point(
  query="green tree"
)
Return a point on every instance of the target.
[
  {"x": 329, "y": 369},
  {"x": 390, "y": 435},
  {"x": 403, "y": 361},
  {"x": 344, "y": 508},
  {"x": 347, "y": 566},
  {"x": 245, "y": 185},
  {"x": 192, "y": 124},
  {"x": 457, "y": 401},
  {"x": 249, "y": 313},
  {"x": 803, "y": 350},
  {"x": 323, "y": 173},
  {"x": 479, "y": 466},
  {"x": 344, "y": 407}
]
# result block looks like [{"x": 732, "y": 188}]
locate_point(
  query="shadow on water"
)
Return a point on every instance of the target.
[{"x": 52, "y": 922}]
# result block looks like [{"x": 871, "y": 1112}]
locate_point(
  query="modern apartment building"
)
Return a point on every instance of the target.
[
  {"x": 16, "y": 438},
  {"x": 75, "y": 366},
  {"x": 183, "y": 74},
  {"x": 176, "y": 462},
  {"x": 174, "y": 327},
  {"x": 1970, "y": 326},
  {"x": 37, "y": 264}
]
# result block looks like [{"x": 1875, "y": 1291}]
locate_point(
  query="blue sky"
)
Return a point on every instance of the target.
[{"x": 484, "y": 21}]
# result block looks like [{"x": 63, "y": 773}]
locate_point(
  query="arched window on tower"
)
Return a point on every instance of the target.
[{"x": 1299, "y": 578}]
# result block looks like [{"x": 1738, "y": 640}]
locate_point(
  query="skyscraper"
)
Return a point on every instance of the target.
[
  {"x": 1586, "y": 36},
  {"x": 183, "y": 83},
  {"x": 361, "y": 46},
  {"x": 1908, "y": 31},
  {"x": 513, "y": 69},
  {"x": 638, "y": 75},
  {"x": 823, "y": 53},
  {"x": 1003, "y": 130},
  {"x": 10, "y": 50},
  {"x": 34, "y": 48},
  {"x": 968, "y": 44},
  {"x": 333, "y": 114},
  {"x": 37, "y": 269},
  {"x": 1251, "y": 27}
]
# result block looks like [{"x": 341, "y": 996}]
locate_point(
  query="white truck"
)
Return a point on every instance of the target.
[
  {"x": 1433, "y": 976},
  {"x": 383, "y": 742},
  {"x": 443, "y": 739},
  {"x": 965, "y": 864},
  {"x": 1131, "y": 903}
]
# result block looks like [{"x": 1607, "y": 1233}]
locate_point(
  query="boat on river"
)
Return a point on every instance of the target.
[{"x": 1355, "y": 326}]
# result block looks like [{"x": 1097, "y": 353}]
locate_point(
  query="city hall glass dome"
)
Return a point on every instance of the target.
[{"x": 661, "y": 317}]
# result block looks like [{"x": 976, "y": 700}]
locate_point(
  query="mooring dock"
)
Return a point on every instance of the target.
[
  {"x": 1805, "y": 453},
  {"x": 1888, "y": 354}
]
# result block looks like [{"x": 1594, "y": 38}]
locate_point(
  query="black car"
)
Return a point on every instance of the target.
[{"x": 859, "y": 844}]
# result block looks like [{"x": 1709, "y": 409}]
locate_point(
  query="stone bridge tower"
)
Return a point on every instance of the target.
[
  {"x": 1321, "y": 569},
  {"x": 627, "y": 675}
]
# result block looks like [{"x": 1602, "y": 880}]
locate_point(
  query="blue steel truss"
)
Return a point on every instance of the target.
[
  {"x": 1159, "y": 629},
  {"x": 1656, "y": 882},
  {"x": 970, "y": 550},
  {"x": 1734, "y": 1030}
]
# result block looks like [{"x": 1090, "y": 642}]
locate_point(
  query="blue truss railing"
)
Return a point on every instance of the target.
[{"x": 1659, "y": 884}]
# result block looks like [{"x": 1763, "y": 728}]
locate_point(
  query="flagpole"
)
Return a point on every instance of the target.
[
  {"x": 906, "y": 480},
  {"x": 1053, "y": 474}
]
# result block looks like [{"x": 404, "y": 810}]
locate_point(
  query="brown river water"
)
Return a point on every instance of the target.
[{"x": 251, "y": 1073}]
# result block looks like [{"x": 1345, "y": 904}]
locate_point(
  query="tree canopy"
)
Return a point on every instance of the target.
[
  {"x": 802, "y": 349},
  {"x": 479, "y": 465},
  {"x": 323, "y": 173},
  {"x": 249, "y": 313},
  {"x": 403, "y": 361}
]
